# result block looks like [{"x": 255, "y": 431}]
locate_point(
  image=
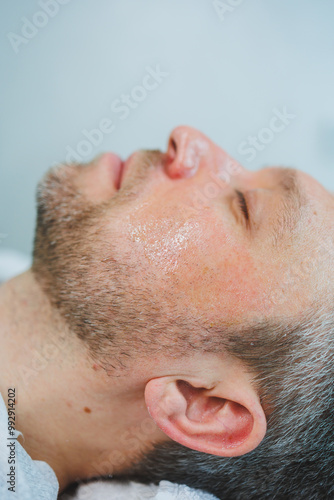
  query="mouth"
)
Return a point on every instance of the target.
[
  {"x": 113, "y": 164},
  {"x": 101, "y": 178},
  {"x": 122, "y": 172},
  {"x": 108, "y": 170},
  {"x": 105, "y": 175},
  {"x": 119, "y": 174}
]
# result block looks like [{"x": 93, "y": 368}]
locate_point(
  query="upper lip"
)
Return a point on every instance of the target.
[{"x": 121, "y": 173}]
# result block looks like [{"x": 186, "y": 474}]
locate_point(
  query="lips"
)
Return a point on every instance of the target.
[
  {"x": 119, "y": 168},
  {"x": 107, "y": 170},
  {"x": 119, "y": 175},
  {"x": 105, "y": 173},
  {"x": 112, "y": 164},
  {"x": 123, "y": 169}
]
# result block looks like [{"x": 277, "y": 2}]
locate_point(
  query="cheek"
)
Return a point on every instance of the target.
[
  {"x": 225, "y": 284},
  {"x": 165, "y": 244},
  {"x": 239, "y": 288},
  {"x": 197, "y": 258},
  {"x": 223, "y": 278}
]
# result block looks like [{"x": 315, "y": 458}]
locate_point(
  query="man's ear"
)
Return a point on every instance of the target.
[{"x": 225, "y": 420}]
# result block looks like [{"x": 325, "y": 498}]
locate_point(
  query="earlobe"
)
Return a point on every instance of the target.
[{"x": 203, "y": 419}]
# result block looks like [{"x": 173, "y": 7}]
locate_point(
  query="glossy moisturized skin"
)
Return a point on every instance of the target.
[
  {"x": 137, "y": 258},
  {"x": 176, "y": 218}
]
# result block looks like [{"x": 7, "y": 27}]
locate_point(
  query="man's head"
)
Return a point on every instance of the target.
[{"x": 216, "y": 280}]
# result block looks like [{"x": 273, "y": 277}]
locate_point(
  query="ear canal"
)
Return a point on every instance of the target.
[{"x": 198, "y": 407}]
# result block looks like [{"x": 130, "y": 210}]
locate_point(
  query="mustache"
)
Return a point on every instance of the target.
[
  {"x": 147, "y": 159},
  {"x": 139, "y": 169}
]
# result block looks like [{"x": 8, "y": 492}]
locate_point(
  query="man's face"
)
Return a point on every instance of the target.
[{"x": 191, "y": 229}]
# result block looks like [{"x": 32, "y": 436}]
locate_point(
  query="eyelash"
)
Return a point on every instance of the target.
[{"x": 243, "y": 204}]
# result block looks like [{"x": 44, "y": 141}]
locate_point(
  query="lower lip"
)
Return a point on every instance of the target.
[
  {"x": 114, "y": 164},
  {"x": 117, "y": 167}
]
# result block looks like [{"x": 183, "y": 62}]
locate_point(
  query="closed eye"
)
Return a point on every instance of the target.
[{"x": 243, "y": 204}]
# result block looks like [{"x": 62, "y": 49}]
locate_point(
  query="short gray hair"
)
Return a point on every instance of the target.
[{"x": 294, "y": 366}]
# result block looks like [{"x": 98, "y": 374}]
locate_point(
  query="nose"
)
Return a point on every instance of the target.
[{"x": 186, "y": 149}]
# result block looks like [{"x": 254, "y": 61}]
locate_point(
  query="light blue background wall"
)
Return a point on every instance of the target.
[{"x": 226, "y": 74}]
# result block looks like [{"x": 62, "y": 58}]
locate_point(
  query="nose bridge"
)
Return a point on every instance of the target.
[
  {"x": 264, "y": 178},
  {"x": 186, "y": 148}
]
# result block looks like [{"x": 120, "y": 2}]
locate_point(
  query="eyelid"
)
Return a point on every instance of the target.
[
  {"x": 243, "y": 205},
  {"x": 258, "y": 203}
]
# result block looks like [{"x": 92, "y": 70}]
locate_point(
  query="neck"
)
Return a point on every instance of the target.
[{"x": 73, "y": 416}]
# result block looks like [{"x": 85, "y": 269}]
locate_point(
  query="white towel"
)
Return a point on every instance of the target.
[{"x": 115, "y": 490}]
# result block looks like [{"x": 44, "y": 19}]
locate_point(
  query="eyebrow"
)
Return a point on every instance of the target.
[{"x": 293, "y": 201}]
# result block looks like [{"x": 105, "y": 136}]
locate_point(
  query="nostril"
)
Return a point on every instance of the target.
[
  {"x": 172, "y": 149},
  {"x": 185, "y": 150}
]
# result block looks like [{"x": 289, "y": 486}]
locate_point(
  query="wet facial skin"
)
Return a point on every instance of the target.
[
  {"x": 201, "y": 233},
  {"x": 142, "y": 258}
]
